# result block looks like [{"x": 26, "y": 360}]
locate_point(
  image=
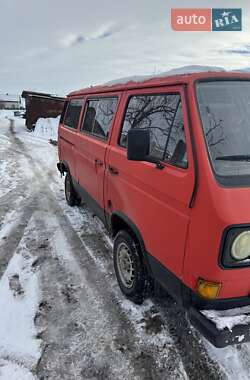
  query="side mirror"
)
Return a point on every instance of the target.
[
  {"x": 138, "y": 144},
  {"x": 139, "y": 147}
]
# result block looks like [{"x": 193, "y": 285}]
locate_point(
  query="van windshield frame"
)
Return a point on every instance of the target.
[{"x": 220, "y": 102}]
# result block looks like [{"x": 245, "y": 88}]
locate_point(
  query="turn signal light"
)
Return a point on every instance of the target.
[{"x": 208, "y": 289}]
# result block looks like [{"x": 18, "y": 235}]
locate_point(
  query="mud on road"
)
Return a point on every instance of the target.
[{"x": 87, "y": 329}]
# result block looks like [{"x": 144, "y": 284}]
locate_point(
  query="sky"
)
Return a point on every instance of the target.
[{"x": 58, "y": 46}]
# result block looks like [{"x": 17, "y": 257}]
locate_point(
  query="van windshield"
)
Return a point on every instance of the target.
[{"x": 224, "y": 107}]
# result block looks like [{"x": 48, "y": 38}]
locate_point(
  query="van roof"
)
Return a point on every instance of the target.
[{"x": 181, "y": 75}]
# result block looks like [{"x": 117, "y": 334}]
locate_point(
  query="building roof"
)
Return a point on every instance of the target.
[
  {"x": 27, "y": 94},
  {"x": 9, "y": 98}
]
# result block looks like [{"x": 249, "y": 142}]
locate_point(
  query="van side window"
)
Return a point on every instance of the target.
[
  {"x": 73, "y": 113},
  {"x": 99, "y": 116},
  {"x": 63, "y": 111},
  {"x": 89, "y": 119},
  {"x": 162, "y": 114}
]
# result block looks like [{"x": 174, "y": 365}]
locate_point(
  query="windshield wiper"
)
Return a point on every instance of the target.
[{"x": 237, "y": 157}]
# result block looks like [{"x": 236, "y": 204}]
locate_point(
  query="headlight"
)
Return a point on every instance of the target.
[
  {"x": 235, "y": 247},
  {"x": 241, "y": 246}
]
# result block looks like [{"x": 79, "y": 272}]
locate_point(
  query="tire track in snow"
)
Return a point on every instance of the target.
[
  {"x": 19, "y": 342},
  {"x": 18, "y": 205},
  {"x": 12, "y": 232}
]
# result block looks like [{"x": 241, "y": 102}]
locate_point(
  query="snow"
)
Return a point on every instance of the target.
[
  {"x": 10, "y": 98},
  {"x": 8, "y": 183},
  {"x": 233, "y": 361},
  {"x": 47, "y": 129},
  {"x": 178, "y": 71},
  {"x": 228, "y": 318},
  {"x": 240, "y": 338},
  {"x": 77, "y": 221},
  {"x": 245, "y": 70},
  {"x": 10, "y": 221},
  {"x": 5, "y": 114},
  {"x": 13, "y": 371},
  {"x": 18, "y": 340}
]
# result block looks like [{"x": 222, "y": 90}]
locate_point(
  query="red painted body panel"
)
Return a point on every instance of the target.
[
  {"x": 88, "y": 173},
  {"x": 155, "y": 200},
  {"x": 66, "y": 142},
  {"x": 185, "y": 240}
]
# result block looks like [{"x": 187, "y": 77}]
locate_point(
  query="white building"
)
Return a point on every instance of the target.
[{"x": 10, "y": 102}]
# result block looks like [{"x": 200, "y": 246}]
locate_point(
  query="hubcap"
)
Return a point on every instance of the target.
[{"x": 125, "y": 265}]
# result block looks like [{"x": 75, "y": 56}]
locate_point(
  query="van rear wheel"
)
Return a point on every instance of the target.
[
  {"x": 71, "y": 196},
  {"x": 130, "y": 270}
]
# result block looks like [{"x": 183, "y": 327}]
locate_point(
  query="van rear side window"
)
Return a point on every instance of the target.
[
  {"x": 63, "y": 111},
  {"x": 99, "y": 116},
  {"x": 162, "y": 114},
  {"x": 73, "y": 113}
]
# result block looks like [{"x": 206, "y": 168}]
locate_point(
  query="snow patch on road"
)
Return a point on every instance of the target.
[
  {"x": 13, "y": 371},
  {"x": 5, "y": 115},
  {"x": 6, "y": 226},
  {"x": 19, "y": 300},
  {"x": 137, "y": 315},
  {"x": 5, "y": 142},
  {"x": 7, "y": 182},
  {"x": 17, "y": 330},
  {"x": 60, "y": 243},
  {"x": 234, "y": 362}
]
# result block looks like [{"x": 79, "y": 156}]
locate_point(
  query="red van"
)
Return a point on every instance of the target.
[{"x": 165, "y": 163}]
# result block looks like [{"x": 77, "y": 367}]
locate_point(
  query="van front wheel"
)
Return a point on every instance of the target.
[
  {"x": 130, "y": 271},
  {"x": 70, "y": 194}
]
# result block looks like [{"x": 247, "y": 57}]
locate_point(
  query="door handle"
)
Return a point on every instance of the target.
[
  {"x": 98, "y": 162},
  {"x": 113, "y": 170}
]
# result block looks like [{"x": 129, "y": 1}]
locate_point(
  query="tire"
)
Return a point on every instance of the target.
[
  {"x": 71, "y": 196},
  {"x": 130, "y": 270}
]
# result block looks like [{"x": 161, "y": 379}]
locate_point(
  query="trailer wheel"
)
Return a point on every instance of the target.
[
  {"x": 71, "y": 196},
  {"x": 130, "y": 270}
]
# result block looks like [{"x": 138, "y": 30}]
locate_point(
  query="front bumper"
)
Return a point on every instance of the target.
[{"x": 239, "y": 333}]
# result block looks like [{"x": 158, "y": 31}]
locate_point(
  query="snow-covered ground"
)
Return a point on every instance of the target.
[
  {"x": 47, "y": 128},
  {"x": 62, "y": 315},
  {"x": 19, "y": 300}
]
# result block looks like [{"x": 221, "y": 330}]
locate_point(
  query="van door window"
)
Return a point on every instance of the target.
[
  {"x": 176, "y": 152},
  {"x": 73, "y": 113},
  {"x": 162, "y": 114},
  {"x": 99, "y": 116}
]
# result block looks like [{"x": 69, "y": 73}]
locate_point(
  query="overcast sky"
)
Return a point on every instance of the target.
[{"x": 61, "y": 45}]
